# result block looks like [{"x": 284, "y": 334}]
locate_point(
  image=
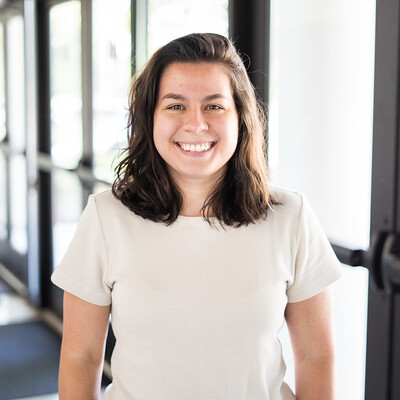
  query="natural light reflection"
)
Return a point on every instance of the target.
[
  {"x": 18, "y": 217},
  {"x": 321, "y": 108},
  {"x": 2, "y": 87},
  {"x": 16, "y": 96},
  {"x": 16, "y": 134},
  {"x": 66, "y": 210},
  {"x": 65, "y": 83},
  {"x": 3, "y": 197},
  {"x": 111, "y": 78},
  {"x": 169, "y": 19}
]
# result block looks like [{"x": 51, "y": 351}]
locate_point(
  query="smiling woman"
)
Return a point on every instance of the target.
[{"x": 199, "y": 260}]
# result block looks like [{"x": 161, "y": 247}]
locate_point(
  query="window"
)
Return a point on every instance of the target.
[
  {"x": 167, "y": 20},
  {"x": 321, "y": 108},
  {"x": 111, "y": 80},
  {"x": 66, "y": 83}
]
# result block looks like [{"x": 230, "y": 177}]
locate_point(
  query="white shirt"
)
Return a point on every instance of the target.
[{"x": 196, "y": 309}]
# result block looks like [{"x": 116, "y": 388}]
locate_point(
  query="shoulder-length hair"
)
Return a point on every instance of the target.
[{"x": 143, "y": 183}]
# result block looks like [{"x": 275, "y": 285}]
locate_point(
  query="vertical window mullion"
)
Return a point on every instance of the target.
[
  {"x": 140, "y": 44},
  {"x": 6, "y": 139},
  {"x": 30, "y": 22},
  {"x": 133, "y": 35},
  {"x": 87, "y": 92}
]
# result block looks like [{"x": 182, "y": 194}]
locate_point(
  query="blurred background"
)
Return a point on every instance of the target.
[{"x": 329, "y": 74}]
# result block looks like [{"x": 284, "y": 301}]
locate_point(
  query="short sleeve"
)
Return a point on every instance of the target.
[
  {"x": 316, "y": 265},
  {"x": 83, "y": 269}
]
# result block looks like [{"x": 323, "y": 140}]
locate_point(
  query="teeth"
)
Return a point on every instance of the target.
[{"x": 195, "y": 148}]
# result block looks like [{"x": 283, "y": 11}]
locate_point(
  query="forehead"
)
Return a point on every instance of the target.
[{"x": 202, "y": 76}]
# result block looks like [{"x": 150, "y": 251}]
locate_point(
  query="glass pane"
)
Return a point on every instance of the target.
[
  {"x": 65, "y": 83},
  {"x": 66, "y": 209},
  {"x": 18, "y": 204},
  {"x": 111, "y": 78},
  {"x": 169, "y": 19},
  {"x": 16, "y": 74},
  {"x": 321, "y": 108},
  {"x": 3, "y": 198},
  {"x": 350, "y": 315},
  {"x": 350, "y": 297},
  {"x": 2, "y": 87}
]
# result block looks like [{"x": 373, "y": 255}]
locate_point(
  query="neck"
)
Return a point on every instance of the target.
[{"x": 194, "y": 193}]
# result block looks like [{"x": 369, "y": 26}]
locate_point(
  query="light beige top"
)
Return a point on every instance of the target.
[{"x": 196, "y": 310}]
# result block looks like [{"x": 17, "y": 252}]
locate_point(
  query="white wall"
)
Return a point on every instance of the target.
[{"x": 322, "y": 64}]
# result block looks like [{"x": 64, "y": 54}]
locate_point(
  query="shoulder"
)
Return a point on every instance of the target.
[
  {"x": 286, "y": 201},
  {"x": 108, "y": 206},
  {"x": 104, "y": 198},
  {"x": 112, "y": 214}
]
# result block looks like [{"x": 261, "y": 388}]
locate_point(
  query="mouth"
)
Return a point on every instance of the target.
[{"x": 196, "y": 148}]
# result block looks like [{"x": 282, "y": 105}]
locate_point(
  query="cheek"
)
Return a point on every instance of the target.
[
  {"x": 163, "y": 139},
  {"x": 228, "y": 128},
  {"x": 163, "y": 129}
]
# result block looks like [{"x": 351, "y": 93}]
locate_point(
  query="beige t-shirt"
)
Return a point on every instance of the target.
[{"x": 196, "y": 309}]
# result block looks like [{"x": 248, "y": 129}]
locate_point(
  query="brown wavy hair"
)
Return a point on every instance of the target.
[{"x": 143, "y": 183}]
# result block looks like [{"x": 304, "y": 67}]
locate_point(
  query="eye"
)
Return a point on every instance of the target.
[
  {"x": 213, "y": 107},
  {"x": 175, "y": 107}
]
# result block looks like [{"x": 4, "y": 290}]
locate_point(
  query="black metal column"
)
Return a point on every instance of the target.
[
  {"x": 383, "y": 307},
  {"x": 249, "y": 28},
  {"x": 395, "y": 364},
  {"x": 44, "y": 146}
]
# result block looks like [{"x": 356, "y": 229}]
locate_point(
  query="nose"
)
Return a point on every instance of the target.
[{"x": 195, "y": 122}]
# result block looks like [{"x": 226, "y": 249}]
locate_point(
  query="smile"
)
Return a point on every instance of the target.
[{"x": 196, "y": 148}]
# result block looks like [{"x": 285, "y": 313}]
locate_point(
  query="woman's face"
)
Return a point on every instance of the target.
[{"x": 195, "y": 120}]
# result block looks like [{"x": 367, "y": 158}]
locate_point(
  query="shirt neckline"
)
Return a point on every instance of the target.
[{"x": 195, "y": 221}]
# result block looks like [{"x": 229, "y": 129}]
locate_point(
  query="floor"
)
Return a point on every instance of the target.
[{"x": 15, "y": 309}]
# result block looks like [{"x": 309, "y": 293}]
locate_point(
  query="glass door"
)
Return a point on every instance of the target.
[
  {"x": 85, "y": 91},
  {"x": 334, "y": 135},
  {"x": 383, "y": 256},
  {"x": 13, "y": 167}
]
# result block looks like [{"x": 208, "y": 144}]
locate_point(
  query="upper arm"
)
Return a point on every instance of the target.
[
  {"x": 310, "y": 327},
  {"x": 85, "y": 327}
]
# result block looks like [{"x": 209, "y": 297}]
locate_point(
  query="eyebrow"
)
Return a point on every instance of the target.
[{"x": 176, "y": 96}]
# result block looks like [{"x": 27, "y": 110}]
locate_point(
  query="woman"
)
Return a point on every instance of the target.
[{"x": 198, "y": 259}]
